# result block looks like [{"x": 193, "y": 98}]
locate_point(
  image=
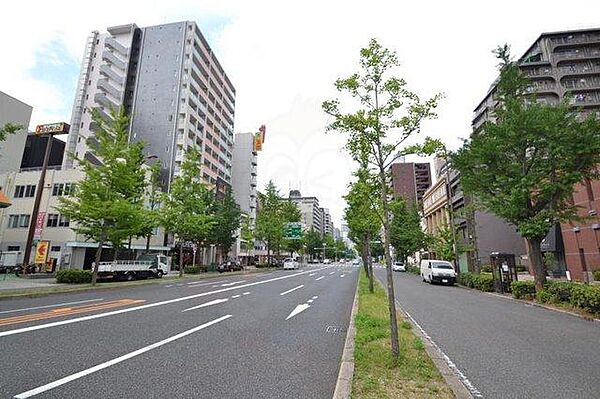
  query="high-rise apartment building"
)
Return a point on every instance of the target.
[
  {"x": 563, "y": 65},
  {"x": 245, "y": 157},
  {"x": 410, "y": 180},
  {"x": 11, "y": 149},
  {"x": 170, "y": 82},
  {"x": 312, "y": 214},
  {"x": 327, "y": 224}
]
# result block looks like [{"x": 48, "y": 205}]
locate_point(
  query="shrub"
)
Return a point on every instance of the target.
[
  {"x": 483, "y": 282},
  {"x": 586, "y": 297},
  {"x": 466, "y": 279},
  {"x": 523, "y": 289},
  {"x": 486, "y": 269},
  {"x": 191, "y": 269},
  {"x": 73, "y": 276},
  {"x": 543, "y": 296},
  {"x": 559, "y": 291},
  {"x": 596, "y": 274},
  {"x": 413, "y": 269}
]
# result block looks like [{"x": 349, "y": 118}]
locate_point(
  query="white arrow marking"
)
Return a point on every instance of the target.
[
  {"x": 216, "y": 301},
  {"x": 299, "y": 309},
  {"x": 317, "y": 279},
  {"x": 293, "y": 289}
]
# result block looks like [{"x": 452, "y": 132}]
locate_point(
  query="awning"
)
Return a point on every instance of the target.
[{"x": 4, "y": 201}]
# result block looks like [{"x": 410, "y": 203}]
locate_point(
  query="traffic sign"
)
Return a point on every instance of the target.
[{"x": 293, "y": 231}]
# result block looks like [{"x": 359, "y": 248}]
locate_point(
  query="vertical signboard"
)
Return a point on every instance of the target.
[
  {"x": 41, "y": 252},
  {"x": 39, "y": 225}
]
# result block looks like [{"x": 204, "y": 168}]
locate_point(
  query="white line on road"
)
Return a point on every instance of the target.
[
  {"x": 312, "y": 274},
  {"x": 199, "y": 283},
  {"x": 342, "y": 275},
  {"x": 468, "y": 384},
  {"x": 120, "y": 359},
  {"x": 319, "y": 278},
  {"x": 298, "y": 309},
  {"x": 315, "y": 297},
  {"x": 310, "y": 301},
  {"x": 246, "y": 293},
  {"x": 215, "y": 302},
  {"x": 51, "y": 306},
  {"x": 332, "y": 273},
  {"x": 293, "y": 289},
  {"x": 233, "y": 283},
  {"x": 141, "y": 307},
  {"x": 236, "y": 296},
  {"x": 169, "y": 286}
]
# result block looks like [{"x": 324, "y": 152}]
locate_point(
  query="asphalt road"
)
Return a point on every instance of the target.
[
  {"x": 228, "y": 337},
  {"x": 506, "y": 349}
]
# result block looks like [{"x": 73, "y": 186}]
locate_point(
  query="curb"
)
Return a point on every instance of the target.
[
  {"x": 343, "y": 386},
  {"x": 533, "y": 303}
]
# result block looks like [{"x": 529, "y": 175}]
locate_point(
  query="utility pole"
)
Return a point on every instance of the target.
[{"x": 48, "y": 130}]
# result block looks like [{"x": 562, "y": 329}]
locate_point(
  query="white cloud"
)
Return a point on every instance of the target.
[{"x": 284, "y": 56}]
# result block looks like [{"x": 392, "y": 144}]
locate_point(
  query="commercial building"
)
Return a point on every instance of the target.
[
  {"x": 326, "y": 224},
  {"x": 565, "y": 64},
  {"x": 435, "y": 207},
  {"x": 312, "y": 214},
  {"x": 171, "y": 84},
  {"x": 410, "y": 180},
  {"x": 11, "y": 149}
]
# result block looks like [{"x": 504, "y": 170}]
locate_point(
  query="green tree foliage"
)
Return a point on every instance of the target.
[
  {"x": 247, "y": 235},
  {"x": 186, "y": 210},
  {"x": 441, "y": 243},
  {"x": 523, "y": 165},
  {"x": 227, "y": 216},
  {"x": 389, "y": 115},
  {"x": 274, "y": 214},
  {"x": 107, "y": 205},
  {"x": 312, "y": 240},
  {"x": 329, "y": 245},
  {"x": 406, "y": 234},
  {"x": 153, "y": 197},
  {"x": 9, "y": 128}
]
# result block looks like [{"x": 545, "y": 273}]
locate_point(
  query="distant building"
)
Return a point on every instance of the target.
[
  {"x": 16, "y": 112},
  {"x": 410, "y": 180},
  {"x": 312, "y": 214},
  {"x": 561, "y": 64},
  {"x": 327, "y": 224},
  {"x": 435, "y": 207}
]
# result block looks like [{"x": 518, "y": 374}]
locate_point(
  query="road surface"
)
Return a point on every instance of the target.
[
  {"x": 506, "y": 349},
  {"x": 268, "y": 335}
]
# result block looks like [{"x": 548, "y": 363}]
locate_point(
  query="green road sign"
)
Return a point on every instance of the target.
[{"x": 293, "y": 231}]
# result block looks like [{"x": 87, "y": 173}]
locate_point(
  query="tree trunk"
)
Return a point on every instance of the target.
[
  {"x": 148, "y": 243},
  {"x": 370, "y": 268},
  {"x": 388, "y": 265},
  {"x": 537, "y": 263},
  {"x": 98, "y": 257},
  {"x": 268, "y": 253},
  {"x": 364, "y": 259},
  {"x": 181, "y": 259}
]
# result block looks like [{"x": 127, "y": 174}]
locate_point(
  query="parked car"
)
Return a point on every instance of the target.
[
  {"x": 398, "y": 267},
  {"x": 355, "y": 262},
  {"x": 229, "y": 266},
  {"x": 327, "y": 261},
  {"x": 437, "y": 271},
  {"x": 290, "y": 264}
]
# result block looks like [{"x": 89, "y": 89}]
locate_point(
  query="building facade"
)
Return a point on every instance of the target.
[
  {"x": 410, "y": 180},
  {"x": 564, "y": 65},
  {"x": 244, "y": 171},
  {"x": 312, "y": 214},
  {"x": 435, "y": 207},
  {"x": 174, "y": 89},
  {"x": 326, "y": 224},
  {"x": 11, "y": 149}
]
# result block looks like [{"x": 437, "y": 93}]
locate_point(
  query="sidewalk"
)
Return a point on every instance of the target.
[{"x": 12, "y": 282}]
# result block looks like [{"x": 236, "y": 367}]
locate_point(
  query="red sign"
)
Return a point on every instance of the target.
[
  {"x": 262, "y": 130},
  {"x": 39, "y": 225},
  {"x": 41, "y": 252}
]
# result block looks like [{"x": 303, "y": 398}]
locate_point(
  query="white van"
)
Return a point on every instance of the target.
[{"x": 437, "y": 271}]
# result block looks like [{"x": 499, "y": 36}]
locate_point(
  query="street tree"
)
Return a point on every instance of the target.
[
  {"x": 153, "y": 197},
  {"x": 106, "y": 205},
  {"x": 227, "y": 216},
  {"x": 389, "y": 114},
  {"x": 313, "y": 241},
  {"x": 247, "y": 235},
  {"x": 442, "y": 244},
  {"x": 186, "y": 210},
  {"x": 406, "y": 234},
  {"x": 8, "y": 129},
  {"x": 363, "y": 216},
  {"x": 523, "y": 163}
]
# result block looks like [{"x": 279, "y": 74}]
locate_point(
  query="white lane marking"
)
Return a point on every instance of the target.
[
  {"x": 322, "y": 277},
  {"x": 112, "y": 362},
  {"x": 312, "y": 274},
  {"x": 293, "y": 289},
  {"x": 310, "y": 301},
  {"x": 51, "y": 306},
  {"x": 179, "y": 285},
  {"x": 169, "y": 286},
  {"x": 332, "y": 273},
  {"x": 298, "y": 309},
  {"x": 141, "y": 307},
  {"x": 468, "y": 384},
  {"x": 199, "y": 283},
  {"x": 246, "y": 293},
  {"x": 236, "y": 296},
  {"x": 315, "y": 297},
  {"x": 342, "y": 275},
  {"x": 215, "y": 302},
  {"x": 233, "y": 283}
]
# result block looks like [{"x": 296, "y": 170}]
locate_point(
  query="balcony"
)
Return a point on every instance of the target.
[
  {"x": 591, "y": 52},
  {"x": 542, "y": 87},
  {"x": 105, "y": 70},
  {"x": 103, "y": 99},
  {"x": 581, "y": 83},
  {"x": 586, "y": 99},
  {"x": 575, "y": 39},
  {"x": 112, "y": 59},
  {"x": 115, "y": 45},
  {"x": 104, "y": 85}
]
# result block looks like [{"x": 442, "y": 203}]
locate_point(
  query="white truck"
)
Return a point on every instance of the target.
[{"x": 149, "y": 265}]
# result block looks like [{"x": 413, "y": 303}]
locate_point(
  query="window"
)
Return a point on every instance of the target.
[
  {"x": 63, "y": 221},
  {"x": 52, "y": 220},
  {"x": 16, "y": 221},
  {"x": 13, "y": 248},
  {"x": 24, "y": 191},
  {"x": 60, "y": 189},
  {"x": 55, "y": 248}
]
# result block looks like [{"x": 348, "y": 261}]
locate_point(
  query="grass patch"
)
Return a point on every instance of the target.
[{"x": 376, "y": 375}]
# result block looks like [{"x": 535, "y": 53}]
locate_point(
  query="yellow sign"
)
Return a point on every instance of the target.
[
  {"x": 41, "y": 251},
  {"x": 257, "y": 142},
  {"x": 52, "y": 128}
]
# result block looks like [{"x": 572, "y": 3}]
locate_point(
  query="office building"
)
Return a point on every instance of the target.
[
  {"x": 16, "y": 112},
  {"x": 326, "y": 224},
  {"x": 171, "y": 84},
  {"x": 410, "y": 180},
  {"x": 312, "y": 214},
  {"x": 561, "y": 65}
]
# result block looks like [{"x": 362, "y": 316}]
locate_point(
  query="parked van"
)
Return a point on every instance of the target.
[{"x": 437, "y": 271}]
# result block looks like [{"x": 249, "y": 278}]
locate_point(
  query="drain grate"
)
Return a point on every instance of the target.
[{"x": 334, "y": 329}]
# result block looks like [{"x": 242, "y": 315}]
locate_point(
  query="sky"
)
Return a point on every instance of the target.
[{"x": 283, "y": 58}]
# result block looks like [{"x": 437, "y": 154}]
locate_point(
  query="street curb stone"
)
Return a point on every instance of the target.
[{"x": 343, "y": 386}]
